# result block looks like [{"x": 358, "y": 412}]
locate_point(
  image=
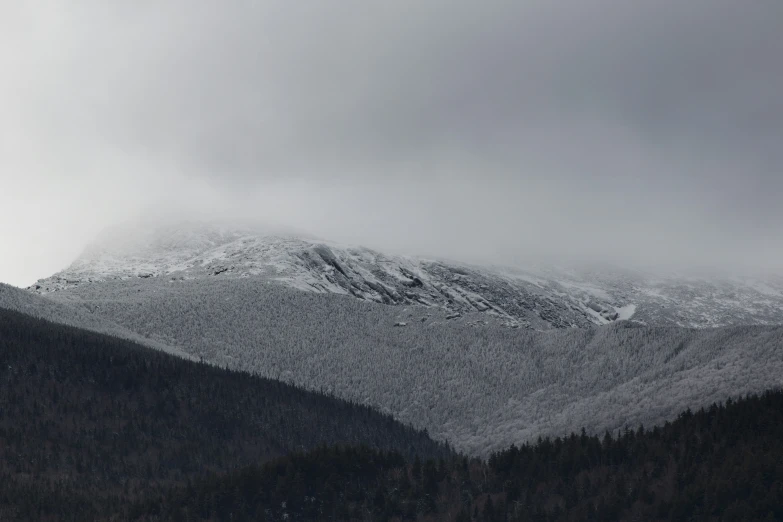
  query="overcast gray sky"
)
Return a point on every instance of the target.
[{"x": 646, "y": 132}]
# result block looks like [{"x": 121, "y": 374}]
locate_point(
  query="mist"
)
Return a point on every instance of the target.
[{"x": 641, "y": 134}]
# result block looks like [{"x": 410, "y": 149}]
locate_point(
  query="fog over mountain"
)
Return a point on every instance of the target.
[{"x": 639, "y": 134}]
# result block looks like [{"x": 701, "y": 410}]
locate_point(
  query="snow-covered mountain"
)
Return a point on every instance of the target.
[
  {"x": 439, "y": 353},
  {"x": 475, "y": 384},
  {"x": 541, "y": 298}
]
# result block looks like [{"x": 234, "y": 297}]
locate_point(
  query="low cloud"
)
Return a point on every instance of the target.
[{"x": 601, "y": 130}]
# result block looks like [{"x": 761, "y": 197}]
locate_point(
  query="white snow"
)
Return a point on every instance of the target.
[
  {"x": 586, "y": 288},
  {"x": 625, "y": 312},
  {"x": 765, "y": 289},
  {"x": 539, "y": 297}
]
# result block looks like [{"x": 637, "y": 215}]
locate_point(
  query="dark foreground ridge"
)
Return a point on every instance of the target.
[
  {"x": 89, "y": 422},
  {"x": 95, "y": 428},
  {"x": 722, "y": 463}
]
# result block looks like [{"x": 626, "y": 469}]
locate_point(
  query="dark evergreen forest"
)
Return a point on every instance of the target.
[
  {"x": 721, "y": 463},
  {"x": 97, "y": 428},
  {"x": 90, "y": 422}
]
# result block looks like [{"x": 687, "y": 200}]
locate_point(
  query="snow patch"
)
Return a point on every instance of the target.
[
  {"x": 587, "y": 289},
  {"x": 625, "y": 312}
]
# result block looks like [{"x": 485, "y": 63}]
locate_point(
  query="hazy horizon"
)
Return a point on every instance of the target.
[{"x": 597, "y": 131}]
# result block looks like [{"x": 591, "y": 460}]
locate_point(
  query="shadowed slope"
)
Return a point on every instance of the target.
[{"x": 100, "y": 415}]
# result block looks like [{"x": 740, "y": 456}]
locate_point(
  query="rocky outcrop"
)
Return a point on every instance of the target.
[{"x": 542, "y": 299}]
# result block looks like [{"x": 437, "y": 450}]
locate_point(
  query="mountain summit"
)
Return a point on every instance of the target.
[
  {"x": 480, "y": 357},
  {"x": 540, "y": 298}
]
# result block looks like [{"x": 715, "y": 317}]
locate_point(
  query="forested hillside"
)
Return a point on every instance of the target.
[
  {"x": 90, "y": 422},
  {"x": 475, "y": 384},
  {"x": 97, "y": 428},
  {"x": 28, "y": 303},
  {"x": 721, "y": 463}
]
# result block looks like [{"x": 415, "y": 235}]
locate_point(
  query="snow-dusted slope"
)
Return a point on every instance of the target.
[
  {"x": 541, "y": 299},
  {"x": 311, "y": 312},
  {"x": 12, "y": 298},
  {"x": 479, "y": 386},
  {"x": 669, "y": 300}
]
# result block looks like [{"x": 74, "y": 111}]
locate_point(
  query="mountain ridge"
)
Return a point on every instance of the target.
[
  {"x": 480, "y": 357},
  {"x": 539, "y": 298},
  {"x": 467, "y": 380}
]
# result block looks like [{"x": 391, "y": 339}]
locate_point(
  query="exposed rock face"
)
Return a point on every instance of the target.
[
  {"x": 603, "y": 311},
  {"x": 535, "y": 299}
]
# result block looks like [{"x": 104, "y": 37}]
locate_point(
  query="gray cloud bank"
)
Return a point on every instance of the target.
[{"x": 637, "y": 132}]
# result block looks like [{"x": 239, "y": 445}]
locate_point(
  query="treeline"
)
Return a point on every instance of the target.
[
  {"x": 97, "y": 428},
  {"x": 721, "y": 463},
  {"x": 480, "y": 388},
  {"x": 89, "y": 423}
]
